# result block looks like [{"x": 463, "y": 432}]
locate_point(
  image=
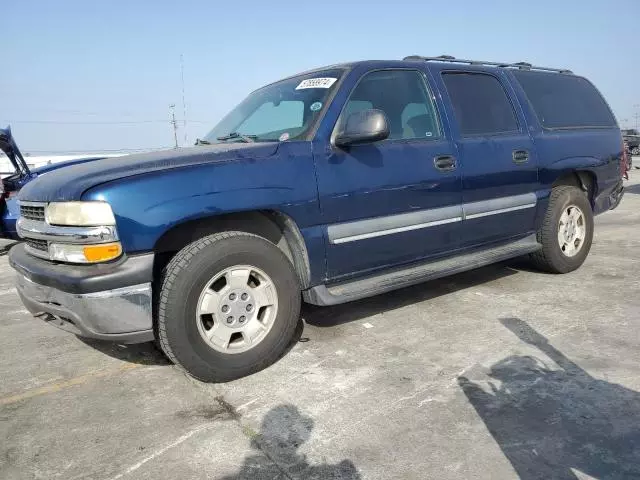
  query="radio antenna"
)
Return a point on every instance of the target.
[{"x": 184, "y": 104}]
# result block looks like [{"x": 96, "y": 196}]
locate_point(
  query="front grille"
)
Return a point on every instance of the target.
[
  {"x": 32, "y": 212},
  {"x": 41, "y": 245}
]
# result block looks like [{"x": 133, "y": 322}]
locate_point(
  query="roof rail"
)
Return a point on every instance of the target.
[{"x": 518, "y": 65}]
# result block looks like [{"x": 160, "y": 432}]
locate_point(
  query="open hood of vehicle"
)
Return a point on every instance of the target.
[{"x": 9, "y": 147}]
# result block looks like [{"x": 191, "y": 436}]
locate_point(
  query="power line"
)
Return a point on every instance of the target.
[
  {"x": 69, "y": 111},
  {"x": 64, "y": 122}
]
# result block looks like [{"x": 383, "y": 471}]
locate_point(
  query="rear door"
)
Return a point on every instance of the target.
[
  {"x": 394, "y": 201},
  {"x": 498, "y": 161}
]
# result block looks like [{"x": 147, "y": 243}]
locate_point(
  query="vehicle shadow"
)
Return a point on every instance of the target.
[
  {"x": 551, "y": 423},
  {"x": 142, "y": 353},
  {"x": 149, "y": 353},
  {"x": 284, "y": 430},
  {"x": 5, "y": 247},
  {"x": 361, "y": 309},
  {"x": 634, "y": 189}
]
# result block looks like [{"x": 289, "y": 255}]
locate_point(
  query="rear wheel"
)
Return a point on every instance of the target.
[
  {"x": 228, "y": 307},
  {"x": 567, "y": 231}
]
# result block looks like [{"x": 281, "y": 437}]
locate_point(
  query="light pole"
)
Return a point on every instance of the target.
[{"x": 172, "y": 108}]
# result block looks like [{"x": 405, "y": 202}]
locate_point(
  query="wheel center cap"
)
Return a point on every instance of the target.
[{"x": 236, "y": 308}]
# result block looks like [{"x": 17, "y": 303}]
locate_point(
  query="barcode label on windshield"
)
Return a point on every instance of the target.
[{"x": 324, "y": 82}]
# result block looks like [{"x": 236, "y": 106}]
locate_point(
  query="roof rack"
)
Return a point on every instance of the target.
[{"x": 518, "y": 65}]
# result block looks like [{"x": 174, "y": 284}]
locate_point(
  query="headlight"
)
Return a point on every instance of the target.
[
  {"x": 103, "y": 252},
  {"x": 79, "y": 214}
]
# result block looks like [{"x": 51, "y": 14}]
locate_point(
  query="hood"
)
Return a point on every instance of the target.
[
  {"x": 71, "y": 182},
  {"x": 10, "y": 148},
  {"x": 54, "y": 166}
]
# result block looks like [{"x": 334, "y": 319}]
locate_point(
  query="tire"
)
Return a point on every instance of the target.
[
  {"x": 635, "y": 151},
  {"x": 551, "y": 258},
  {"x": 188, "y": 277}
]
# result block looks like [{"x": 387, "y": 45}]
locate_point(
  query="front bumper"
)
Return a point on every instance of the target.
[{"x": 106, "y": 302}]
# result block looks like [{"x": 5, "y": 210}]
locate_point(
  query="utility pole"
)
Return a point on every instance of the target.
[
  {"x": 172, "y": 108},
  {"x": 636, "y": 115},
  {"x": 184, "y": 104}
]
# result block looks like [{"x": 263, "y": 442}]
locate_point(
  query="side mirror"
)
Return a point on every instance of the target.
[{"x": 366, "y": 126}]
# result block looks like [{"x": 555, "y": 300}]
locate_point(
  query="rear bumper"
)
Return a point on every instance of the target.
[
  {"x": 9, "y": 219},
  {"x": 109, "y": 303},
  {"x": 8, "y": 227},
  {"x": 615, "y": 197},
  {"x": 609, "y": 199}
]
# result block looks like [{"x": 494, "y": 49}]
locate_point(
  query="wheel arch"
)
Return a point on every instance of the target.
[
  {"x": 583, "y": 179},
  {"x": 275, "y": 226}
]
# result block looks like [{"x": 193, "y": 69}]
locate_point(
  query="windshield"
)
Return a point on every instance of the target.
[{"x": 281, "y": 111}]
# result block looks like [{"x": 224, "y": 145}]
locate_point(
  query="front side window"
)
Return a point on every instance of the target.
[
  {"x": 403, "y": 96},
  {"x": 284, "y": 110},
  {"x": 480, "y": 104}
]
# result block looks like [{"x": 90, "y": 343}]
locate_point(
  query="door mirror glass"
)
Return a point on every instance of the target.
[{"x": 365, "y": 126}]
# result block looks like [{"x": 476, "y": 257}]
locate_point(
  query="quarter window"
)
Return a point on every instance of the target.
[
  {"x": 565, "y": 101},
  {"x": 480, "y": 104},
  {"x": 403, "y": 96}
]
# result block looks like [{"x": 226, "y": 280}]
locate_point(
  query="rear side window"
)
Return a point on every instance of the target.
[
  {"x": 565, "y": 101},
  {"x": 480, "y": 104}
]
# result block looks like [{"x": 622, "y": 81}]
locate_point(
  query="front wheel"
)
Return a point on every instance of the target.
[
  {"x": 635, "y": 151},
  {"x": 567, "y": 231},
  {"x": 229, "y": 306}
]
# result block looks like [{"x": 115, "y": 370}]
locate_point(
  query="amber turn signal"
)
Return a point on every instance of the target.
[{"x": 102, "y": 252}]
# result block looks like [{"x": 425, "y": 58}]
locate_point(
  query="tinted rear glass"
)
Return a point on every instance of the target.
[
  {"x": 565, "y": 101},
  {"x": 480, "y": 104}
]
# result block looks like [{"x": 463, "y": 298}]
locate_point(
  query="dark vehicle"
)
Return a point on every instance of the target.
[
  {"x": 632, "y": 138},
  {"x": 11, "y": 185},
  {"x": 329, "y": 186}
]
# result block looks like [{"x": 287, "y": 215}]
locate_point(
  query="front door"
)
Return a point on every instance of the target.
[
  {"x": 497, "y": 157},
  {"x": 394, "y": 201}
]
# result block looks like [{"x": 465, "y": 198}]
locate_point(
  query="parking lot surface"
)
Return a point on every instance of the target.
[{"x": 497, "y": 373}]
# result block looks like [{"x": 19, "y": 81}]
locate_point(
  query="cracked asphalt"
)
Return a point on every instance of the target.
[{"x": 498, "y": 373}]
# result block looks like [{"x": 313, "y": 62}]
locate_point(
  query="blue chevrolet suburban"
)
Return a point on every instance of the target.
[{"x": 328, "y": 186}]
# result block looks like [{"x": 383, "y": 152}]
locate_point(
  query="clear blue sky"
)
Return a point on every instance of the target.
[{"x": 69, "y": 65}]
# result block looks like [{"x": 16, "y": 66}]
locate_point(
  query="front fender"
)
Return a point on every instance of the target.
[{"x": 148, "y": 205}]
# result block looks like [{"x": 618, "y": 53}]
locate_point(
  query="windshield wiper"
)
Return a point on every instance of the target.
[
  {"x": 240, "y": 136},
  {"x": 202, "y": 142}
]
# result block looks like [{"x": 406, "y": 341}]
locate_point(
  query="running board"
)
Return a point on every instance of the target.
[{"x": 386, "y": 282}]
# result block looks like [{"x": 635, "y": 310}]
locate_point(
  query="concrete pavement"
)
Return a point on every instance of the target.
[{"x": 497, "y": 373}]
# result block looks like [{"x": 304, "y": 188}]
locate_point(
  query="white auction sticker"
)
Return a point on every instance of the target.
[{"x": 324, "y": 82}]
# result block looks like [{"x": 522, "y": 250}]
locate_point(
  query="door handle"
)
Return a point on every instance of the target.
[
  {"x": 520, "y": 156},
  {"x": 445, "y": 163}
]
